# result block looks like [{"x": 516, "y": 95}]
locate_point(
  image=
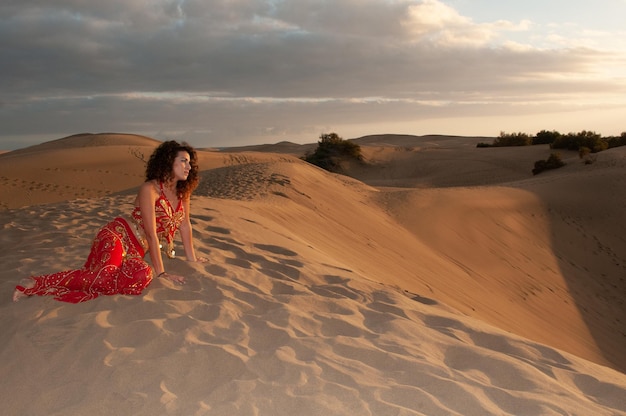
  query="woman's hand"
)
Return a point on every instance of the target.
[{"x": 179, "y": 280}]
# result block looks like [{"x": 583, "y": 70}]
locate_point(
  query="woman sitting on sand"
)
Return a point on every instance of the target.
[{"x": 115, "y": 264}]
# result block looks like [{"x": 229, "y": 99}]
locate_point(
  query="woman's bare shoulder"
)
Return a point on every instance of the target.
[
  {"x": 149, "y": 187},
  {"x": 148, "y": 190}
]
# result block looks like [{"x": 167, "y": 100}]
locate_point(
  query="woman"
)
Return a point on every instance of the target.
[{"x": 115, "y": 264}]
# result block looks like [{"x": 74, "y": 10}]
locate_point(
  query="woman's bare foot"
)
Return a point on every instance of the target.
[{"x": 18, "y": 293}]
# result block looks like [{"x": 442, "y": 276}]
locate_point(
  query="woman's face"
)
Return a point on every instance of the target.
[{"x": 182, "y": 166}]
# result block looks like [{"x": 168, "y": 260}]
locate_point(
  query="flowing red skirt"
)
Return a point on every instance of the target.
[{"x": 115, "y": 266}]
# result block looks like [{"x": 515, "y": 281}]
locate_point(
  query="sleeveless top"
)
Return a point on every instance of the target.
[{"x": 167, "y": 219}]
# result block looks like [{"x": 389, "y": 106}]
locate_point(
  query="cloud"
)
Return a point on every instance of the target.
[
  {"x": 245, "y": 48},
  {"x": 433, "y": 20},
  {"x": 136, "y": 64}
]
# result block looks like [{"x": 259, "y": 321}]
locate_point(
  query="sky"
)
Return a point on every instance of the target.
[{"x": 220, "y": 73}]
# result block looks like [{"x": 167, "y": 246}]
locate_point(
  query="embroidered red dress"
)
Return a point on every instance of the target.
[{"x": 115, "y": 264}]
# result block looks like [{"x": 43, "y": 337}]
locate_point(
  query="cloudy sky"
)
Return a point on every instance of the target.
[{"x": 234, "y": 72}]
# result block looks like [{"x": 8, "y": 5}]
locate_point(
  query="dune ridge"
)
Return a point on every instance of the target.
[{"x": 328, "y": 295}]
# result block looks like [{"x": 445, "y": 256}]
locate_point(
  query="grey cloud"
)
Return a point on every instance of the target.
[
  {"x": 348, "y": 49},
  {"x": 70, "y": 65}
]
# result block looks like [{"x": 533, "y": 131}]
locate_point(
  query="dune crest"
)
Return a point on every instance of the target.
[{"x": 92, "y": 140}]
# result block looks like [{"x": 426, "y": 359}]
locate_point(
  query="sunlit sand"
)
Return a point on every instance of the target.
[{"x": 439, "y": 279}]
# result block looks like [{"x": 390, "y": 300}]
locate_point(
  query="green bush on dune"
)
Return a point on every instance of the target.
[
  {"x": 585, "y": 142},
  {"x": 332, "y": 151},
  {"x": 574, "y": 141},
  {"x": 513, "y": 139},
  {"x": 553, "y": 162},
  {"x": 570, "y": 141},
  {"x": 546, "y": 137}
]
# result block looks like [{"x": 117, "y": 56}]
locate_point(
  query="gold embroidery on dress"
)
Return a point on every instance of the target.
[{"x": 168, "y": 221}]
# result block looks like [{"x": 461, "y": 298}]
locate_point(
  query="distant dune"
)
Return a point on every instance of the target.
[
  {"x": 436, "y": 279},
  {"x": 93, "y": 140},
  {"x": 281, "y": 147}
]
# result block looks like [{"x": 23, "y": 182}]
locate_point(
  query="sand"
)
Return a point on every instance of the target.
[{"x": 441, "y": 279}]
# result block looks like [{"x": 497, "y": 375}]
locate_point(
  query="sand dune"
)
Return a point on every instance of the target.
[
  {"x": 80, "y": 166},
  {"x": 408, "y": 293}
]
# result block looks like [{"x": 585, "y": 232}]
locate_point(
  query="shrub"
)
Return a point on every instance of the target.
[
  {"x": 553, "y": 162},
  {"x": 332, "y": 150},
  {"x": 512, "y": 139},
  {"x": 616, "y": 141},
  {"x": 571, "y": 141},
  {"x": 546, "y": 137},
  {"x": 585, "y": 154},
  {"x": 574, "y": 141}
]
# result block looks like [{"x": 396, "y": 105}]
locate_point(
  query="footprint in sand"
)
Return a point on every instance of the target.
[
  {"x": 605, "y": 393},
  {"x": 337, "y": 289}
]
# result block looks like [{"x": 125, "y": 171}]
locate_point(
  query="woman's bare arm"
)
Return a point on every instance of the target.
[
  {"x": 186, "y": 233},
  {"x": 147, "y": 198}
]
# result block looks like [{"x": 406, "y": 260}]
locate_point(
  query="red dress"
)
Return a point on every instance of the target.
[{"x": 115, "y": 264}]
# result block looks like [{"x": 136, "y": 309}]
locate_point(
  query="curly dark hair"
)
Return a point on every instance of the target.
[{"x": 160, "y": 166}]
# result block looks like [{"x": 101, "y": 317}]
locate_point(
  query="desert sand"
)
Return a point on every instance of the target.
[{"x": 439, "y": 279}]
